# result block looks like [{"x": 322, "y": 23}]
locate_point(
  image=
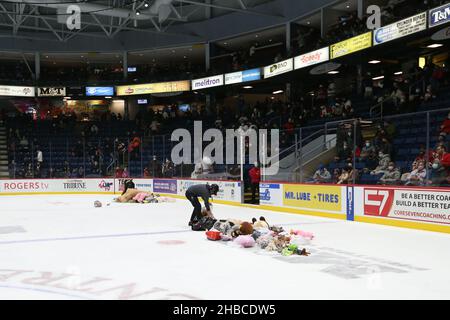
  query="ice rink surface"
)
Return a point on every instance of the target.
[{"x": 61, "y": 247}]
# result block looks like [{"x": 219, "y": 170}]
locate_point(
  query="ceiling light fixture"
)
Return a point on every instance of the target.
[
  {"x": 248, "y": 87},
  {"x": 378, "y": 78},
  {"x": 333, "y": 72},
  {"x": 398, "y": 73},
  {"x": 374, "y": 61},
  {"x": 435, "y": 45},
  {"x": 278, "y": 92}
]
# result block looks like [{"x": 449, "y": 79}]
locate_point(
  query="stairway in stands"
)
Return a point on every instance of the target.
[{"x": 4, "y": 172}]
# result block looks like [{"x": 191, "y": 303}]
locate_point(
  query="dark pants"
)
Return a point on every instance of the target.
[
  {"x": 255, "y": 188},
  {"x": 197, "y": 213}
]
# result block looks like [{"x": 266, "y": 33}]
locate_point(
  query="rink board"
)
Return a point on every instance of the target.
[{"x": 410, "y": 207}]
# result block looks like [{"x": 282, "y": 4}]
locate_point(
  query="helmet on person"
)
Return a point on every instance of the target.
[{"x": 214, "y": 189}]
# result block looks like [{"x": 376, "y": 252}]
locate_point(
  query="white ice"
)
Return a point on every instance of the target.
[{"x": 61, "y": 247}]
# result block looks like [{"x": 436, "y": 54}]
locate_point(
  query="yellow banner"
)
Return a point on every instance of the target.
[
  {"x": 313, "y": 197},
  {"x": 351, "y": 45},
  {"x": 148, "y": 88}
]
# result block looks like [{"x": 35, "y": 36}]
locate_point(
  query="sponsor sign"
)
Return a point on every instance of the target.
[
  {"x": 408, "y": 204},
  {"x": 51, "y": 91},
  {"x": 439, "y": 15},
  {"x": 57, "y": 185},
  {"x": 351, "y": 45},
  {"x": 99, "y": 91},
  {"x": 243, "y": 76},
  {"x": 443, "y": 34},
  {"x": 316, "y": 198},
  {"x": 312, "y": 58},
  {"x": 23, "y": 186},
  {"x": 251, "y": 75},
  {"x": 149, "y": 88},
  {"x": 270, "y": 194},
  {"x": 208, "y": 82},
  {"x": 400, "y": 28},
  {"x": 74, "y": 185},
  {"x": 106, "y": 186},
  {"x": 16, "y": 91},
  {"x": 279, "y": 68},
  {"x": 165, "y": 186}
]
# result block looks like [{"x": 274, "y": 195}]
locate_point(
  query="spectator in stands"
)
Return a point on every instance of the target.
[
  {"x": 168, "y": 169},
  {"x": 146, "y": 173},
  {"x": 391, "y": 176},
  {"x": 383, "y": 163},
  {"x": 423, "y": 155},
  {"x": 438, "y": 174},
  {"x": 119, "y": 172},
  {"x": 418, "y": 176},
  {"x": 346, "y": 176},
  {"x": 134, "y": 147},
  {"x": 154, "y": 127},
  {"x": 445, "y": 127},
  {"x": 255, "y": 177},
  {"x": 322, "y": 175},
  {"x": 80, "y": 172},
  {"x": 368, "y": 152},
  {"x": 385, "y": 146},
  {"x": 39, "y": 161},
  {"x": 24, "y": 143},
  {"x": 94, "y": 130},
  {"x": 125, "y": 173}
]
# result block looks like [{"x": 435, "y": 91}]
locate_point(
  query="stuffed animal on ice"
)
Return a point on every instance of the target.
[
  {"x": 245, "y": 229},
  {"x": 260, "y": 224},
  {"x": 245, "y": 241},
  {"x": 304, "y": 234},
  {"x": 97, "y": 204}
]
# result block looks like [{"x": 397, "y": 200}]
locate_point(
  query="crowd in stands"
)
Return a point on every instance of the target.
[{"x": 376, "y": 156}]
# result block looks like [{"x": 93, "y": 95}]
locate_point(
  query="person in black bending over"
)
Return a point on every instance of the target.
[
  {"x": 204, "y": 191},
  {"x": 128, "y": 184}
]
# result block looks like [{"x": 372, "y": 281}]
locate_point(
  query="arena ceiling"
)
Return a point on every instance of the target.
[{"x": 108, "y": 18}]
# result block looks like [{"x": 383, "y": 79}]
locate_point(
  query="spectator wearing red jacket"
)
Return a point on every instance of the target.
[
  {"x": 445, "y": 127},
  {"x": 255, "y": 178}
]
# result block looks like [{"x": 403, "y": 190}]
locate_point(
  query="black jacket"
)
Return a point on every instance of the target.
[{"x": 200, "y": 190}]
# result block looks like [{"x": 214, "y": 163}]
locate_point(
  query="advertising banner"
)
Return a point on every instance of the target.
[
  {"x": 279, "y": 68},
  {"x": 351, "y": 45},
  {"x": 99, "y": 91},
  {"x": 51, "y": 92},
  {"x": 243, "y": 76},
  {"x": 149, "y": 88},
  {"x": 406, "y": 204},
  {"x": 400, "y": 28},
  {"x": 440, "y": 15},
  {"x": 57, "y": 185},
  {"x": 16, "y": 91},
  {"x": 312, "y": 58},
  {"x": 208, "y": 82},
  {"x": 314, "y": 197},
  {"x": 228, "y": 190},
  {"x": 270, "y": 194},
  {"x": 165, "y": 186}
]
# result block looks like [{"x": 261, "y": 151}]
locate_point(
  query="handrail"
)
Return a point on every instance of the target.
[{"x": 381, "y": 105}]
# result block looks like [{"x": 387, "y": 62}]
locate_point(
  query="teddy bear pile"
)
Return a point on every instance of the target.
[{"x": 262, "y": 235}]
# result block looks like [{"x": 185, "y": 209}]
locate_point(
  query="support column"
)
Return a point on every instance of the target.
[
  {"x": 360, "y": 9},
  {"x": 207, "y": 56},
  {"x": 125, "y": 65},
  {"x": 288, "y": 37},
  {"x": 37, "y": 65}
]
